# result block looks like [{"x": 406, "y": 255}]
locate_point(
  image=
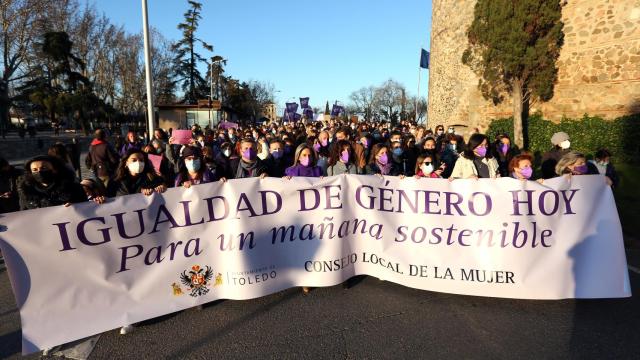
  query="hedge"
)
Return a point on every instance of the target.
[{"x": 620, "y": 136}]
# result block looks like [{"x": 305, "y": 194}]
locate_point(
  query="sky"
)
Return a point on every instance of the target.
[{"x": 323, "y": 49}]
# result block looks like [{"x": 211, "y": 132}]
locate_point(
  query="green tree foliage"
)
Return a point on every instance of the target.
[
  {"x": 61, "y": 89},
  {"x": 513, "y": 47},
  {"x": 187, "y": 59},
  {"x": 326, "y": 109},
  {"x": 587, "y": 134}
]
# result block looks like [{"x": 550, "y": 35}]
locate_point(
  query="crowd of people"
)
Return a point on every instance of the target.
[{"x": 131, "y": 165}]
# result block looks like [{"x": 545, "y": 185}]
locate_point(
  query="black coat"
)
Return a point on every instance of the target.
[
  {"x": 33, "y": 195},
  {"x": 275, "y": 168},
  {"x": 102, "y": 159},
  {"x": 130, "y": 185},
  {"x": 9, "y": 184}
]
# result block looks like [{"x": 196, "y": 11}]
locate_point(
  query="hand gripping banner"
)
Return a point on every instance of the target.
[{"x": 100, "y": 267}]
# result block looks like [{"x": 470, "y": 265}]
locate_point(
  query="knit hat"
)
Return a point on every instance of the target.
[
  {"x": 191, "y": 151},
  {"x": 559, "y": 137}
]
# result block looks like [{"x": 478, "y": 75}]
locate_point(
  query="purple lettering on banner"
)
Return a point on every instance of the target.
[
  {"x": 461, "y": 236},
  {"x": 124, "y": 251},
  {"x": 488, "y": 204},
  {"x": 383, "y": 199},
  {"x": 243, "y": 198},
  {"x": 64, "y": 236},
  {"x": 517, "y": 202},
  {"x": 169, "y": 218},
  {"x": 278, "y": 197},
  {"x": 212, "y": 215},
  {"x": 303, "y": 202},
  {"x": 150, "y": 260},
  {"x": 83, "y": 237},
  {"x": 331, "y": 195},
  {"x": 455, "y": 204},
  {"x": 428, "y": 201},
  {"x": 413, "y": 205},
  {"x": 359, "y": 200},
  {"x": 187, "y": 214},
  {"x": 450, "y": 229},
  {"x": 516, "y": 235},
  {"x": 544, "y": 234},
  {"x": 122, "y": 231},
  {"x": 556, "y": 202},
  {"x": 567, "y": 200}
]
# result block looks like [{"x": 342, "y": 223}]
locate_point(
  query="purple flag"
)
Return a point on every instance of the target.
[
  {"x": 304, "y": 102},
  {"x": 424, "y": 59},
  {"x": 292, "y": 107},
  {"x": 297, "y": 117},
  {"x": 308, "y": 112},
  {"x": 337, "y": 110}
]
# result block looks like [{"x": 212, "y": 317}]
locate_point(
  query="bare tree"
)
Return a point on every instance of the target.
[
  {"x": 389, "y": 99},
  {"x": 18, "y": 20},
  {"x": 364, "y": 102}
]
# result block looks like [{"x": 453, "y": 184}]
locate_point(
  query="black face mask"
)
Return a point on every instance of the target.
[{"x": 44, "y": 176}]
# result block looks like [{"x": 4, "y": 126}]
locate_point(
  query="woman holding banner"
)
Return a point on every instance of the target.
[
  {"x": 48, "y": 182},
  {"x": 249, "y": 164},
  {"x": 342, "y": 159},
  {"x": 195, "y": 172},
  {"x": 304, "y": 165},
  {"x": 521, "y": 167},
  {"x": 136, "y": 175},
  {"x": 476, "y": 161},
  {"x": 428, "y": 166},
  {"x": 379, "y": 161},
  {"x": 575, "y": 163}
]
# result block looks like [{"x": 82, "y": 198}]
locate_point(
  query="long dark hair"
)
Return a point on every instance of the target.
[
  {"x": 123, "y": 172},
  {"x": 475, "y": 140},
  {"x": 62, "y": 172},
  {"x": 375, "y": 149},
  {"x": 60, "y": 151},
  {"x": 336, "y": 152}
]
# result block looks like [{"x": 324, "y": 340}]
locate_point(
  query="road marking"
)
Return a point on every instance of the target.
[{"x": 634, "y": 269}]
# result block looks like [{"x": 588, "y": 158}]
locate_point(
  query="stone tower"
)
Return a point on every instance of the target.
[{"x": 599, "y": 65}]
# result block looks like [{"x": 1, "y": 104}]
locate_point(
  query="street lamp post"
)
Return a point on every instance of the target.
[{"x": 147, "y": 65}]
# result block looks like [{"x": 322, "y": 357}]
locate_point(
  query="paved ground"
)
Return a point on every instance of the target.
[{"x": 372, "y": 319}]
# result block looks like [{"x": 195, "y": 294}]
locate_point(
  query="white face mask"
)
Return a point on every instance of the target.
[
  {"x": 227, "y": 153},
  {"x": 192, "y": 165},
  {"x": 136, "y": 167},
  {"x": 565, "y": 144},
  {"x": 427, "y": 169}
]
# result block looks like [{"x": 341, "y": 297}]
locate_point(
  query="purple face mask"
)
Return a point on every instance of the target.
[
  {"x": 316, "y": 147},
  {"x": 383, "y": 159},
  {"x": 344, "y": 156},
  {"x": 304, "y": 161},
  {"x": 582, "y": 169},
  {"x": 249, "y": 154},
  {"x": 505, "y": 148},
  {"x": 481, "y": 151},
  {"x": 526, "y": 172},
  {"x": 324, "y": 142}
]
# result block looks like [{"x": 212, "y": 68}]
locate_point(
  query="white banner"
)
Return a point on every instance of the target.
[{"x": 89, "y": 268}]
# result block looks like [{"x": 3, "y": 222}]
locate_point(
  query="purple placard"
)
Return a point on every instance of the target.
[
  {"x": 182, "y": 137},
  {"x": 155, "y": 160}
]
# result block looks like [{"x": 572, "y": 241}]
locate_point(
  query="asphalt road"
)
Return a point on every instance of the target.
[{"x": 372, "y": 319}]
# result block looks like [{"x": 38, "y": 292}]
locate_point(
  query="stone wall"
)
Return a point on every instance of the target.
[{"x": 599, "y": 65}]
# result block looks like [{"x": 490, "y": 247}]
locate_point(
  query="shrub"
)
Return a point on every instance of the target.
[{"x": 620, "y": 136}]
